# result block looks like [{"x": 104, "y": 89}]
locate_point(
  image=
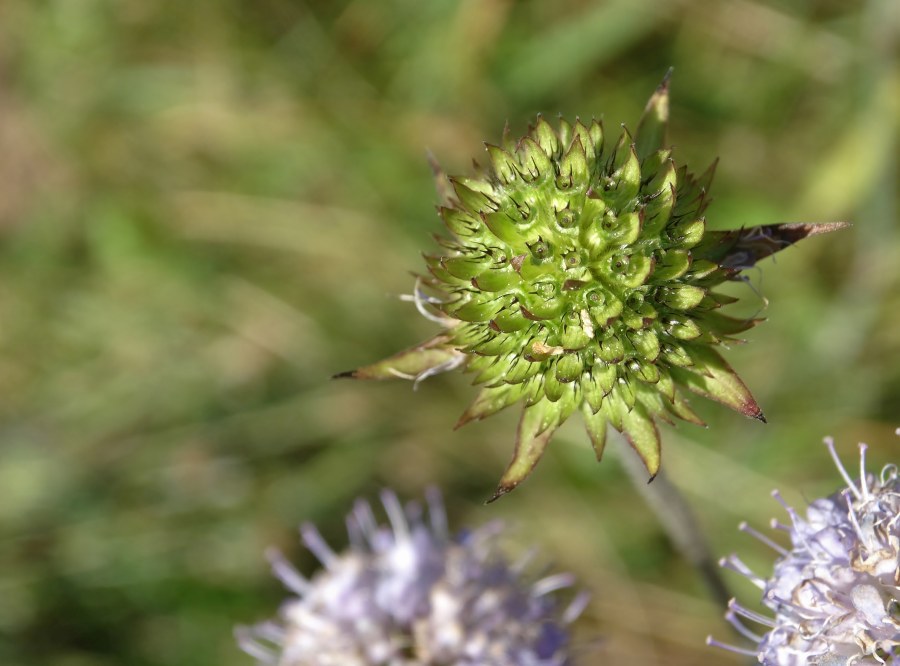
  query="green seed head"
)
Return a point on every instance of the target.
[{"x": 580, "y": 275}]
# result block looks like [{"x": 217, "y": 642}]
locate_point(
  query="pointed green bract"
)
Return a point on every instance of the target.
[
  {"x": 492, "y": 400},
  {"x": 435, "y": 355},
  {"x": 713, "y": 378},
  {"x": 596, "y": 426},
  {"x": 651, "y": 131},
  {"x": 640, "y": 431},
  {"x": 580, "y": 274},
  {"x": 536, "y": 427}
]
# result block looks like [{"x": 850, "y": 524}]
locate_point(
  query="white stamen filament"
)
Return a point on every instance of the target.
[
  {"x": 776, "y": 524},
  {"x": 401, "y": 375},
  {"x": 395, "y": 515},
  {"x": 734, "y": 563},
  {"x": 712, "y": 642},
  {"x": 252, "y": 647},
  {"x": 448, "y": 365},
  {"x": 796, "y": 521},
  {"x": 741, "y": 628},
  {"x": 750, "y": 615},
  {"x": 744, "y": 527},
  {"x": 863, "y": 483},
  {"x": 436, "y": 512},
  {"x": 286, "y": 573},
  {"x": 270, "y": 631},
  {"x": 419, "y": 299},
  {"x": 317, "y": 545},
  {"x": 829, "y": 442},
  {"x": 552, "y": 584},
  {"x": 576, "y": 607},
  {"x": 851, "y": 515},
  {"x": 362, "y": 514}
]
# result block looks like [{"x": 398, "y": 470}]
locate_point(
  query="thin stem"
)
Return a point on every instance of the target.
[{"x": 678, "y": 520}]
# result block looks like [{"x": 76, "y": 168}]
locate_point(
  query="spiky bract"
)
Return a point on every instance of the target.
[{"x": 580, "y": 276}]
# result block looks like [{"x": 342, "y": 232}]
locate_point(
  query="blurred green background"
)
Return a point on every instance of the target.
[{"x": 209, "y": 207}]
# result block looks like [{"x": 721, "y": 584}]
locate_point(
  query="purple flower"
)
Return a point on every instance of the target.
[
  {"x": 836, "y": 592},
  {"x": 407, "y": 594}
]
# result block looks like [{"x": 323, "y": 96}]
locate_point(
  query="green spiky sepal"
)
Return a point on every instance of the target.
[{"x": 580, "y": 276}]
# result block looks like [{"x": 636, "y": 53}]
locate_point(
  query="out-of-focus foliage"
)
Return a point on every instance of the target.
[{"x": 209, "y": 207}]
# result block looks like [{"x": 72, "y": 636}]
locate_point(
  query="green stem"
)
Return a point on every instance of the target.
[{"x": 678, "y": 520}]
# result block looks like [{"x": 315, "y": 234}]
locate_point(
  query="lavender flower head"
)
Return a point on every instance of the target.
[
  {"x": 407, "y": 594},
  {"x": 836, "y": 592}
]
